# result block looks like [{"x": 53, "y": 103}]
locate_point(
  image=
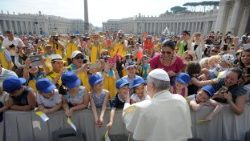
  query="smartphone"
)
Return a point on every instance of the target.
[
  {"x": 225, "y": 47},
  {"x": 94, "y": 66},
  {"x": 36, "y": 60}
]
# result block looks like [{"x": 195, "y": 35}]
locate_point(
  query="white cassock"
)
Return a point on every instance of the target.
[{"x": 166, "y": 117}]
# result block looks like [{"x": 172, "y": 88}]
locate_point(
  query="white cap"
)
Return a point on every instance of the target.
[
  {"x": 55, "y": 57},
  {"x": 228, "y": 58},
  {"x": 159, "y": 74},
  {"x": 75, "y": 53}
]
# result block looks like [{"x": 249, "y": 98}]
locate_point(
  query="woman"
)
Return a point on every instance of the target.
[
  {"x": 232, "y": 93},
  {"x": 168, "y": 60}
]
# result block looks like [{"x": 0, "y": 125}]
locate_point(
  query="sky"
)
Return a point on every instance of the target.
[{"x": 99, "y": 10}]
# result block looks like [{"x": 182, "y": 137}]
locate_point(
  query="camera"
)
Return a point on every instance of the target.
[
  {"x": 225, "y": 47},
  {"x": 11, "y": 46}
]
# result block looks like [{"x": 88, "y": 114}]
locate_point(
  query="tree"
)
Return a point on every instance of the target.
[
  {"x": 178, "y": 9},
  {"x": 203, "y": 3}
]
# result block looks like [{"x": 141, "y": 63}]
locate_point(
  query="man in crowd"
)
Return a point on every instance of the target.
[{"x": 166, "y": 117}]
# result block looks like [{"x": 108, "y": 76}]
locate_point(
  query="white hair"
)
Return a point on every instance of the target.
[{"x": 159, "y": 84}]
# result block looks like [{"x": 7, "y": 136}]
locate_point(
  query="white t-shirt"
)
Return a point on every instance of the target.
[
  {"x": 16, "y": 42},
  {"x": 135, "y": 98},
  {"x": 51, "y": 102},
  {"x": 4, "y": 97}
]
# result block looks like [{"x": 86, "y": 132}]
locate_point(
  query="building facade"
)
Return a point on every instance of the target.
[
  {"x": 234, "y": 16},
  {"x": 194, "y": 22},
  {"x": 39, "y": 24}
]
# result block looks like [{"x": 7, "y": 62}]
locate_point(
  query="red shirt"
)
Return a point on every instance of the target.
[{"x": 176, "y": 67}]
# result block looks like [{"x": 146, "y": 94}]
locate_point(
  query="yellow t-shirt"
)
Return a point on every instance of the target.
[
  {"x": 118, "y": 50},
  {"x": 109, "y": 84},
  {"x": 52, "y": 75},
  {"x": 71, "y": 47},
  {"x": 95, "y": 54},
  {"x": 83, "y": 76},
  {"x": 4, "y": 61}
]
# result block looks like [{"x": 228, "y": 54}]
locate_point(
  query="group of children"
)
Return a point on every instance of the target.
[
  {"x": 49, "y": 100},
  {"x": 16, "y": 96}
]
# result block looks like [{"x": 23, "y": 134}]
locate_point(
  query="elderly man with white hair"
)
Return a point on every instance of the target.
[{"x": 166, "y": 117}]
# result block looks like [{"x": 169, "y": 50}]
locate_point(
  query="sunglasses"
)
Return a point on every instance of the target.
[
  {"x": 215, "y": 51},
  {"x": 166, "y": 52},
  {"x": 79, "y": 57}
]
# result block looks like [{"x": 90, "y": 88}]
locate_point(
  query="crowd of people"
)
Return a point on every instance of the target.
[{"x": 106, "y": 70}]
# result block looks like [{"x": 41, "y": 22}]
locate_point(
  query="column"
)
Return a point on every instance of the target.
[
  {"x": 21, "y": 27},
  {"x": 175, "y": 28},
  {"x": 16, "y": 27},
  {"x": 156, "y": 28},
  {"x": 192, "y": 27},
  {"x": 171, "y": 27},
  {"x": 86, "y": 17},
  {"x": 244, "y": 20},
  {"x": 11, "y": 26},
  {"x": 235, "y": 16},
  {"x": 221, "y": 16},
  {"x": 4, "y": 26},
  {"x": 205, "y": 29}
]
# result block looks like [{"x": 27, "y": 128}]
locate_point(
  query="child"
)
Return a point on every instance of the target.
[
  {"x": 202, "y": 97},
  {"x": 181, "y": 83},
  {"x": 76, "y": 97},
  {"x": 22, "y": 98},
  {"x": 138, "y": 86},
  {"x": 110, "y": 75},
  {"x": 98, "y": 97},
  {"x": 3, "y": 99},
  {"x": 119, "y": 100},
  {"x": 48, "y": 98},
  {"x": 145, "y": 67}
]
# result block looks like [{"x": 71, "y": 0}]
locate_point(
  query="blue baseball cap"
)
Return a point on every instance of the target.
[
  {"x": 44, "y": 85},
  {"x": 130, "y": 65},
  {"x": 70, "y": 80},
  {"x": 95, "y": 79},
  {"x": 138, "y": 81},
  {"x": 121, "y": 83},
  {"x": 13, "y": 83},
  {"x": 209, "y": 89},
  {"x": 183, "y": 78}
]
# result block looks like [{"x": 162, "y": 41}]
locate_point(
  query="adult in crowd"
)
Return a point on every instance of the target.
[
  {"x": 149, "y": 120},
  {"x": 11, "y": 42},
  {"x": 198, "y": 45},
  {"x": 5, "y": 59},
  {"x": 80, "y": 68},
  {"x": 184, "y": 43},
  {"x": 230, "y": 91},
  {"x": 168, "y": 60}
]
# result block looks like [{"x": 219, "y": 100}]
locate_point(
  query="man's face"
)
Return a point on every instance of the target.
[{"x": 10, "y": 35}]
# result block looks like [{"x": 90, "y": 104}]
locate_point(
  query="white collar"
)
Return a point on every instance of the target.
[{"x": 158, "y": 94}]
